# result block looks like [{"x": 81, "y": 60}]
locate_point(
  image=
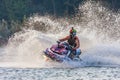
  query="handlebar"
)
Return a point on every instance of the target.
[
  {"x": 66, "y": 44},
  {"x": 58, "y": 43}
]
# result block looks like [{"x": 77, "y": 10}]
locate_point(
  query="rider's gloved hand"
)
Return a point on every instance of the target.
[
  {"x": 73, "y": 49},
  {"x": 58, "y": 41}
]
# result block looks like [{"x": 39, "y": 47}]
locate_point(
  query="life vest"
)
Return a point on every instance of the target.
[{"x": 72, "y": 41}]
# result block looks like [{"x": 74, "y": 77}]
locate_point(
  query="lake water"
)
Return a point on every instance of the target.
[{"x": 84, "y": 73}]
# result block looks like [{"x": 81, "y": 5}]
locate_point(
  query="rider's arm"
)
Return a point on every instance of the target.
[{"x": 64, "y": 39}]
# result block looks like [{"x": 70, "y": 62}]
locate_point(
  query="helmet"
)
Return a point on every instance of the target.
[{"x": 73, "y": 32}]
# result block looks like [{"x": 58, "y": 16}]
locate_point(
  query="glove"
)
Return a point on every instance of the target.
[
  {"x": 73, "y": 49},
  {"x": 58, "y": 42}
]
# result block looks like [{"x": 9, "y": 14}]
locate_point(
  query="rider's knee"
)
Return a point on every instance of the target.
[{"x": 78, "y": 51}]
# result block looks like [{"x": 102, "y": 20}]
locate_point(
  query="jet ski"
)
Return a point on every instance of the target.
[{"x": 60, "y": 52}]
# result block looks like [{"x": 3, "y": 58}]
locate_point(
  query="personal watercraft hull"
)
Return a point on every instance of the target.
[{"x": 60, "y": 53}]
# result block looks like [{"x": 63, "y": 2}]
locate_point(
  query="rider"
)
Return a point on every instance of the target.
[{"x": 73, "y": 41}]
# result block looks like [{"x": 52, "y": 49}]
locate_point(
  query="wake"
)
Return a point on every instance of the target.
[
  {"x": 25, "y": 50},
  {"x": 97, "y": 28}
]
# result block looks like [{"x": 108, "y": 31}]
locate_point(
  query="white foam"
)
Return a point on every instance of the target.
[{"x": 99, "y": 37}]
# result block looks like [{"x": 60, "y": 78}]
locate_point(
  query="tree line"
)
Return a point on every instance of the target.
[{"x": 17, "y": 9}]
